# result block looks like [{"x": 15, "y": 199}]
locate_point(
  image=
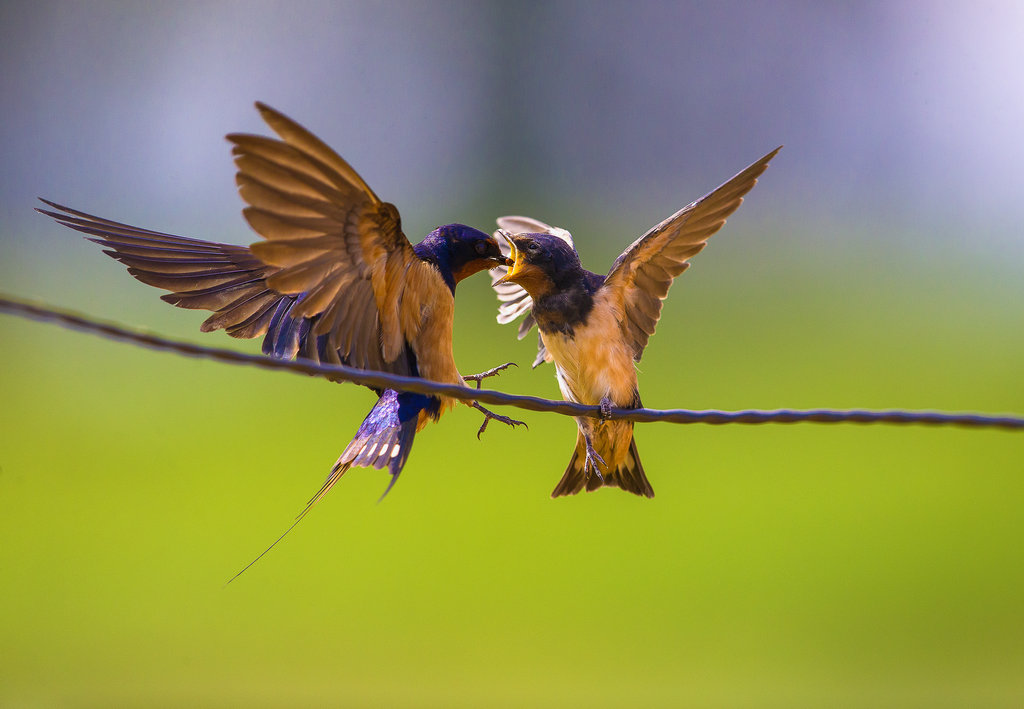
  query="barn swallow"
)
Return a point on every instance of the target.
[
  {"x": 335, "y": 280},
  {"x": 595, "y": 328}
]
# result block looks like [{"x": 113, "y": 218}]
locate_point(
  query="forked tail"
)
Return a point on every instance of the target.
[
  {"x": 629, "y": 475},
  {"x": 384, "y": 440}
]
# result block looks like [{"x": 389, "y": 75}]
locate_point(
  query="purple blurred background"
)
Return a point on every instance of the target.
[{"x": 900, "y": 114}]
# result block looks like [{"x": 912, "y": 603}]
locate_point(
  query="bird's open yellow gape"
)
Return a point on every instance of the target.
[{"x": 514, "y": 262}]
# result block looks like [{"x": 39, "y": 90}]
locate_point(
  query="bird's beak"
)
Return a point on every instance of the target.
[
  {"x": 515, "y": 263},
  {"x": 498, "y": 260}
]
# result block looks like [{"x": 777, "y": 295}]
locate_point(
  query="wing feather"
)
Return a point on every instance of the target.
[
  {"x": 337, "y": 246},
  {"x": 299, "y": 137},
  {"x": 323, "y": 281},
  {"x": 640, "y": 278},
  {"x": 199, "y": 274},
  {"x": 513, "y": 300}
]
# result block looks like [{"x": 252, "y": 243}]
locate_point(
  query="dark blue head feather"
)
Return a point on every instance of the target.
[{"x": 457, "y": 251}]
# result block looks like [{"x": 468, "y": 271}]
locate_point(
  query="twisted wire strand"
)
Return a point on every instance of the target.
[{"x": 77, "y": 321}]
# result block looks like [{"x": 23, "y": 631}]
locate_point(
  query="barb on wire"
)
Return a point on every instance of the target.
[{"x": 364, "y": 377}]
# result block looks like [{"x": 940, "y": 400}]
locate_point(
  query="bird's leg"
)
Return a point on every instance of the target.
[
  {"x": 488, "y": 415},
  {"x": 489, "y": 373},
  {"x": 593, "y": 458},
  {"x": 606, "y": 408}
]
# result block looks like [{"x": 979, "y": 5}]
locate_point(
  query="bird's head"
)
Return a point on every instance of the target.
[
  {"x": 541, "y": 263},
  {"x": 465, "y": 250}
]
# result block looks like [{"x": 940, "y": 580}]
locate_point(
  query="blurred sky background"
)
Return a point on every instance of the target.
[
  {"x": 877, "y": 263},
  {"x": 902, "y": 112}
]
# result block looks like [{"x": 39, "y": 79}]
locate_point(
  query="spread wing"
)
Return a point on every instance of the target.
[
  {"x": 335, "y": 279},
  {"x": 514, "y": 300},
  {"x": 640, "y": 278}
]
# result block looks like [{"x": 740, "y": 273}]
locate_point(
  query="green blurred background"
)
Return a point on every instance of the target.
[{"x": 877, "y": 264}]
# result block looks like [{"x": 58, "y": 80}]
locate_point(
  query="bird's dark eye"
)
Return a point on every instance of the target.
[
  {"x": 481, "y": 247},
  {"x": 532, "y": 246}
]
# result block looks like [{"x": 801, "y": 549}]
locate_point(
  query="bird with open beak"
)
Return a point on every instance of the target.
[
  {"x": 334, "y": 280},
  {"x": 595, "y": 328}
]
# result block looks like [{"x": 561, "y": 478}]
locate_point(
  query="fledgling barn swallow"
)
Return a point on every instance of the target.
[
  {"x": 595, "y": 328},
  {"x": 334, "y": 280}
]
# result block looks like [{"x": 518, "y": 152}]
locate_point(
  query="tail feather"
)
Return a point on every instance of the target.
[
  {"x": 629, "y": 475},
  {"x": 384, "y": 440}
]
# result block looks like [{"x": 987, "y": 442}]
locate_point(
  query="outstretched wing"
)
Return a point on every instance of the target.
[
  {"x": 224, "y": 278},
  {"x": 514, "y": 300},
  {"x": 338, "y": 248},
  {"x": 335, "y": 280},
  {"x": 640, "y": 278}
]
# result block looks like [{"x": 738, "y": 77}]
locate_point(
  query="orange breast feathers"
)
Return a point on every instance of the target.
[
  {"x": 427, "y": 310},
  {"x": 594, "y": 362}
]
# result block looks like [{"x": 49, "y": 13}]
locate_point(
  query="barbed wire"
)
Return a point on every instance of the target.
[{"x": 76, "y": 321}]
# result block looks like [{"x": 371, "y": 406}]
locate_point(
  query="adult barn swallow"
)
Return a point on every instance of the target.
[
  {"x": 334, "y": 280},
  {"x": 595, "y": 328}
]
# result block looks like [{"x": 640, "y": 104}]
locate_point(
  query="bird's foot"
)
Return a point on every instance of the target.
[
  {"x": 488, "y": 415},
  {"x": 489, "y": 373},
  {"x": 606, "y": 409},
  {"x": 593, "y": 458}
]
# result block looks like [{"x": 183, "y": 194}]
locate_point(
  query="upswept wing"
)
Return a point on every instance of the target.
[
  {"x": 335, "y": 280},
  {"x": 514, "y": 300},
  {"x": 338, "y": 248},
  {"x": 640, "y": 278}
]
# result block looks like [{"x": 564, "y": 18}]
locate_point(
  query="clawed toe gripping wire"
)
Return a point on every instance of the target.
[{"x": 493, "y": 372}]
